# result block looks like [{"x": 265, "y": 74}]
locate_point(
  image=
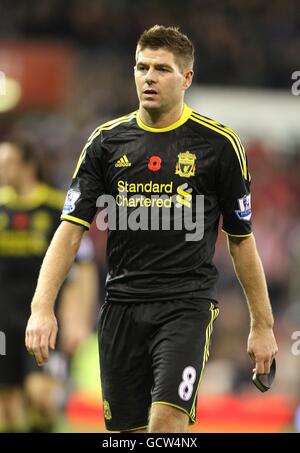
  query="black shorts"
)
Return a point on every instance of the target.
[{"x": 152, "y": 353}]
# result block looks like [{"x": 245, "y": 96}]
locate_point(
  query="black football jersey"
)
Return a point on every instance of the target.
[
  {"x": 27, "y": 224},
  {"x": 157, "y": 184}
]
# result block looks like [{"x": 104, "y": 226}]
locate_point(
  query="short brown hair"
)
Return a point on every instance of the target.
[
  {"x": 28, "y": 152},
  {"x": 171, "y": 39}
]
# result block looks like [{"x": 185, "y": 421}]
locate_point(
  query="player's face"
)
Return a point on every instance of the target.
[
  {"x": 160, "y": 82},
  {"x": 11, "y": 165}
]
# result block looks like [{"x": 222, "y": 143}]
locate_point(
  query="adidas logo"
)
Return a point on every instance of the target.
[{"x": 123, "y": 162}]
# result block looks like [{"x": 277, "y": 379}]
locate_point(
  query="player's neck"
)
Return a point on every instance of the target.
[{"x": 157, "y": 119}]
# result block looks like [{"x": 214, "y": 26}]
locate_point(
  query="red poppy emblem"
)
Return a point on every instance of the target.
[
  {"x": 154, "y": 163},
  {"x": 20, "y": 221}
]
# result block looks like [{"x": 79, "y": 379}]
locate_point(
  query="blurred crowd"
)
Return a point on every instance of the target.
[{"x": 249, "y": 42}]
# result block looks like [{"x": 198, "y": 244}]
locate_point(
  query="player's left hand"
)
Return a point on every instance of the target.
[
  {"x": 41, "y": 332},
  {"x": 262, "y": 348}
]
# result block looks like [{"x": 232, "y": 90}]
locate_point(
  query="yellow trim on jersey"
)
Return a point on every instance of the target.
[
  {"x": 103, "y": 127},
  {"x": 237, "y": 235},
  {"x": 228, "y": 133},
  {"x": 56, "y": 198},
  {"x": 172, "y": 405},
  {"x": 116, "y": 120},
  {"x": 83, "y": 152},
  {"x": 214, "y": 314},
  {"x": 114, "y": 123},
  {"x": 75, "y": 220},
  {"x": 6, "y": 193},
  {"x": 222, "y": 126},
  {"x": 186, "y": 113},
  {"x": 41, "y": 194}
]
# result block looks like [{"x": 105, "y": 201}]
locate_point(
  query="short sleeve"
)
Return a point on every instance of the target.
[
  {"x": 87, "y": 185},
  {"x": 234, "y": 189}
]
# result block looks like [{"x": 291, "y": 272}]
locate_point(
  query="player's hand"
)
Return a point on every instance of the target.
[
  {"x": 262, "y": 348},
  {"x": 41, "y": 334}
]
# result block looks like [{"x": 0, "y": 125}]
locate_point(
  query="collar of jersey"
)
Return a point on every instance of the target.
[
  {"x": 186, "y": 113},
  {"x": 30, "y": 201}
]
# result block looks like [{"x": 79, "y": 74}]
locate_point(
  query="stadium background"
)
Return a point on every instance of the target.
[{"x": 68, "y": 67}]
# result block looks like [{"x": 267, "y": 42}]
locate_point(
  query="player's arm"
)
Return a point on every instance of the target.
[
  {"x": 79, "y": 210},
  {"x": 262, "y": 345},
  {"x": 235, "y": 202},
  {"x": 78, "y": 300},
  {"x": 41, "y": 329}
]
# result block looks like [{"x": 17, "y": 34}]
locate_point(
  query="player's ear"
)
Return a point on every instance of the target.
[{"x": 187, "y": 78}]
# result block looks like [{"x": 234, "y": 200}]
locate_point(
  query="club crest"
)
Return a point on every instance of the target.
[{"x": 186, "y": 164}]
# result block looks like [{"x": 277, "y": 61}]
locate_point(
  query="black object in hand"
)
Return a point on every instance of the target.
[{"x": 264, "y": 381}]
